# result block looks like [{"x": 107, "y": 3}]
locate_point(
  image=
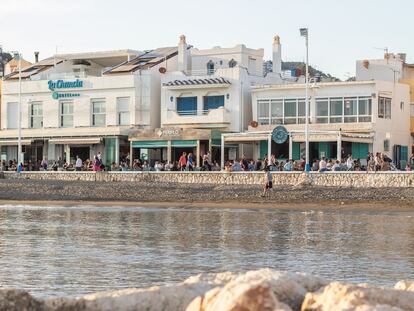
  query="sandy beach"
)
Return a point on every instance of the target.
[{"x": 49, "y": 192}]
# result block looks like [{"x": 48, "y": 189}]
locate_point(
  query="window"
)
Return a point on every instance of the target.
[
  {"x": 263, "y": 112},
  {"x": 98, "y": 112},
  {"x": 364, "y": 109},
  {"x": 336, "y": 105},
  {"x": 386, "y": 145},
  {"x": 322, "y": 110},
  {"x": 213, "y": 102},
  {"x": 301, "y": 111},
  {"x": 36, "y": 115},
  {"x": 290, "y": 111},
  {"x": 388, "y": 108},
  {"x": 122, "y": 106},
  {"x": 66, "y": 114},
  {"x": 350, "y": 109},
  {"x": 187, "y": 106},
  {"x": 210, "y": 67},
  {"x": 276, "y": 111},
  {"x": 384, "y": 108},
  {"x": 12, "y": 115},
  {"x": 232, "y": 63}
]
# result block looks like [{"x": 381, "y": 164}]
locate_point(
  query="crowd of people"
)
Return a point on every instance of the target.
[
  {"x": 187, "y": 162},
  {"x": 373, "y": 162}
]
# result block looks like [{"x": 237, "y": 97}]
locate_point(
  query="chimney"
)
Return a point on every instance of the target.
[
  {"x": 36, "y": 54},
  {"x": 277, "y": 55},
  {"x": 402, "y": 57},
  {"x": 182, "y": 54}
]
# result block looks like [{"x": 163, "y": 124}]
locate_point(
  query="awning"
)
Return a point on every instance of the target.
[
  {"x": 15, "y": 142},
  {"x": 150, "y": 144},
  {"x": 75, "y": 141},
  {"x": 183, "y": 143}
]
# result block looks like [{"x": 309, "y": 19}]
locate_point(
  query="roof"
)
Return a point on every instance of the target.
[
  {"x": 15, "y": 62},
  {"x": 197, "y": 82},
  {"x": 145, "y": 60},
  {"x": 264, "y": 87},
  {"x": 34, "y": 69},
  {"x": 99, "y": 54}
]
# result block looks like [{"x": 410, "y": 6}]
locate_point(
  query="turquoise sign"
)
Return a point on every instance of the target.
[
  {"x": 60, "y": 84},
  {"x": 56, "y": 95},
  {"x": 280, "y": 134}
]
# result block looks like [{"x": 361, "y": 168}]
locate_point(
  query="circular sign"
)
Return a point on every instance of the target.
[
  {"x": 280, "y": 134},
  {"x": 55, "y": 95}
]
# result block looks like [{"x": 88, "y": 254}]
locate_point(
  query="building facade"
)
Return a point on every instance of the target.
[
  {"x": 81, "y": 104},
  {"x": 393, "y": 68},
  {"x": 209, "y": 94},
  {"x": 346, "y": 118}
]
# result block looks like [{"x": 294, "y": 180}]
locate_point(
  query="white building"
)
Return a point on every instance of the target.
[
  {"x": 345, "y": 118},
  {"x": 393, "y": 68},
  {"x": 82, "y": 104},
  {"x": 209, "y": 94}
]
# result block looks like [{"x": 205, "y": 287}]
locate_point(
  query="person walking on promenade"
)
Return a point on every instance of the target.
[
  {"x": 322, "y": 165},
  {"x": 268, "y": 182},
  {"x": 349, "y": 162},
  {"x": 182, "y": 162},
  {"x": 190, "y": 162},
  {"x": 78, "y": 164},
  {"x": 44, "y": 164},
  {"x": 97, "y": 165}
]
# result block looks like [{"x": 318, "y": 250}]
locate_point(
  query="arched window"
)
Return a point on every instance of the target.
[
  {"x": 232, "y": 63},
  {"x": 210, "y": 67}
]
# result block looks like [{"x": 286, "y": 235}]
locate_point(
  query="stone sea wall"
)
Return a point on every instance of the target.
[
  {"x": 328, "y": 179},
  {"x": 261, "y": 290}
]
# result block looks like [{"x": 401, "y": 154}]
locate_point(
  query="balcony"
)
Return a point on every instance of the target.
[{"x": 213, "y": 117}]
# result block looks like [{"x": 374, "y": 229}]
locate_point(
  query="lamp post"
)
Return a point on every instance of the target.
[
  {"x": 304, "y": 33},
  {"x": 17, "y": 56}
]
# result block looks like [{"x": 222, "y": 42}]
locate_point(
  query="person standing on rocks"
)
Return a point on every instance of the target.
[{"x": 268, "y": 182}]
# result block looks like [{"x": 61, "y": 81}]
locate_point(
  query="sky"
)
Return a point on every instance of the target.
[{"x": 341, "y": 31}]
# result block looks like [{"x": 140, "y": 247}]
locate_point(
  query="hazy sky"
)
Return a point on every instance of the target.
[{"x": 341, "y": 31}]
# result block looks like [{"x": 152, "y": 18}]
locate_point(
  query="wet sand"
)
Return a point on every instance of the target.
[{"x": 75, "y": 193}]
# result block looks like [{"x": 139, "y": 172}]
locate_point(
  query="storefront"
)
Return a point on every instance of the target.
[
  {"x": 168, "y": 144},
  {"x": 285, "y": 144}
]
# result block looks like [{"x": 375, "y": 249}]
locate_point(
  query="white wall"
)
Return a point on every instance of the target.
[
  {"x": 381, "y": 69},
  {"x": 222, "y": 56}
]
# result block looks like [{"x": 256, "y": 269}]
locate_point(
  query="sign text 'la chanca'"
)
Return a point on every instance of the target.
[{"x": 61, "y": 84}]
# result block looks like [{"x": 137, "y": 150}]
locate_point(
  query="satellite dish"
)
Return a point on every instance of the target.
[
  {"x": 254, "y": 124},
  {"x": 162, "y": 70}
]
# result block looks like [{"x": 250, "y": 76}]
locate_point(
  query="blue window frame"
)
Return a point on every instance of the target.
[
  {"x": 187, "y": 105},
  {"x": 213, "y": 102}
]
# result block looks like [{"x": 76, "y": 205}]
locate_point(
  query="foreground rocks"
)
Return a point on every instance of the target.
[{"x": 262, "y": 290}]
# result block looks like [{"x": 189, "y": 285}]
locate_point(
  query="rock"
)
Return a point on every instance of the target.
[
  {"x": 279, "y": 290},
  {"x": 341, "y": 297},
  {"x": 170, "y": 298},
  {"x": 18, "y": 300},
  {"x": 239, "y": 297},
  {"x": 405, "y": 285}
]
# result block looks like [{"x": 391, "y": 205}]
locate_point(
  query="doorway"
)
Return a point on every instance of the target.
[{"x": 82, "y": 152}]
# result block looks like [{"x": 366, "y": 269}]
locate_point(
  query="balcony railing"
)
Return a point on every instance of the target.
[
  {"x": 200, "y": 72},
  {"x": 192, "y": 112}
]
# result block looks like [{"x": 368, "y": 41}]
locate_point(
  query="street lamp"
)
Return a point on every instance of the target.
[
  {"x": 18, "y": 57},
  {"x": 304, "y": 33}
]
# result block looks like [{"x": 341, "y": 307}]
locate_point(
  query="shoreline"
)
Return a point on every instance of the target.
[{"x": 304, "y": 206}]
